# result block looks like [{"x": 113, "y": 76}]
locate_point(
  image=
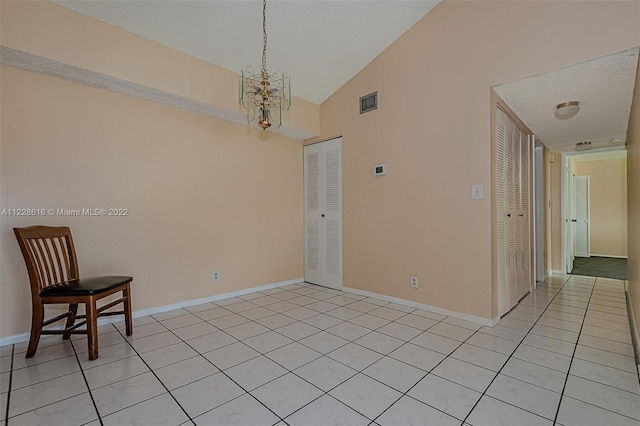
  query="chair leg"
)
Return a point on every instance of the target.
[
  {"x": 127, "y": 310},
  {"x": 92, "y": 328},
  {"x": 73, "y": 308},
  {"x": 37, "y": 317}
]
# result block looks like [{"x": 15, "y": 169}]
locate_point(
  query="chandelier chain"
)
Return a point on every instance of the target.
[
  {"x": 264, "y": 32},
  {"x": 264, "y": 96}
]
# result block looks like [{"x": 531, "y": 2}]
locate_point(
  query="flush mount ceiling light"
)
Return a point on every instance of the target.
[
  {"x": 567, "y": 110},
  {"x": 264, "y": 95}
]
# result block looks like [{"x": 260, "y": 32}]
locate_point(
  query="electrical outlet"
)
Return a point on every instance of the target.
[
  {"x": 216, "y": 276},
  {"x": 414, "y": 282}
]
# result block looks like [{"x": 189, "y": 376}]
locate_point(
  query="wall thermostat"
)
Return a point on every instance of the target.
[{"x": 379, "y": 169}]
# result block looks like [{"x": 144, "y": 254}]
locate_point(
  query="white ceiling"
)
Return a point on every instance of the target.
[
  {"x": 321, "y": 44},
  {"x": 603, "y": 86}
]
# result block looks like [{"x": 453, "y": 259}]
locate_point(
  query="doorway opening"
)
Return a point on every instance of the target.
[
  {"x": 594, "y": 213},
  {"x": 535, "y": 100}
]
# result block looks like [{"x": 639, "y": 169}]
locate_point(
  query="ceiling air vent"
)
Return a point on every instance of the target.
[
  {"x": 583, "y": 146},
  {"x": 369, "y": 102}
]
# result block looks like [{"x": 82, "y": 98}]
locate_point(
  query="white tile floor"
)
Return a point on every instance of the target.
[{"x": 304, "y": 355}]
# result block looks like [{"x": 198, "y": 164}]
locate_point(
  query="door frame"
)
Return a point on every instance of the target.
[
  {"x": 567, "y": 213},
  {"x": 538, "y": 211},
  {"x": 565, "y": 197},
  {"x": 587, "y": 179}
]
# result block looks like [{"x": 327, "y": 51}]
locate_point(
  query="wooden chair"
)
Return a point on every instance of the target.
[{"x": 53, "y": 273}]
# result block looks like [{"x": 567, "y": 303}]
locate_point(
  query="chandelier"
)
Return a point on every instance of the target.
[{"x": 264, "y": 95}]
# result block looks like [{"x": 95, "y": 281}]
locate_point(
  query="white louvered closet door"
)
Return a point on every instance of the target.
[
  {"x": 513, "y": 193},
  {"x": 502, "y": 128},
  {"x": 323, "y": 213},
  {"x": 524, "y": 283},
  {"x": 512, "y": 200}
]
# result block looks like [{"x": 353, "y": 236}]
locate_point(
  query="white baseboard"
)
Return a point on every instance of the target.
[
  {"x": 187, "y": 303},
  {"x": 556, "y": 272},
  {"x": 607, "y": 255},
  {"x": 436, "y": 310},
  {"x": 23, "y": 337},
  {"x": 634, "y": 329},
  {"x": 16, "y": 338}
]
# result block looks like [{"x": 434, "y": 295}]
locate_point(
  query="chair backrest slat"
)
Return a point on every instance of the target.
[
  {"x": 33, "y": 248},
  {"x": 65, "y": 255},
  {"x": 49, "y": 254},
  {"x": 51, "y": 266},
  {"x": 44, "y": 265}
]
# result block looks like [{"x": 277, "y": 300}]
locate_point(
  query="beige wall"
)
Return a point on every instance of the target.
[
  {"x": 54, "y": 32},
  {"x": 633, "y": 205},
  {"x": 202, "y": 194},
  {"x": 205, "y": 194},
  {"x": 432, "y": 128},
  {"x": 608, "y": 205}
]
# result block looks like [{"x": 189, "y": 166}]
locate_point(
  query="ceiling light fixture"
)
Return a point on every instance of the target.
[
  {"x": 567, "y": 110},
  {"x": 264, "y": 95}
]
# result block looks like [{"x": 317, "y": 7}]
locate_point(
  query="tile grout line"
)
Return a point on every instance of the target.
[
  {"x": 297, "y": 320},
  {"x": 429, "y": 372},
  {"x": 226, "y": 375},
  {"x": 321, "y": 354},
  {"x": 342, "y": 382},
  {"x": 95, "y": 407},
  {"x": 362, "y": 370},
  {"x": 154, "y": 373},
  {"x": 348, "y": 341},
  {"x": 591, "y": 380},
  {"x": 558, "y": 293},
  {"x": 48, "y": 380},
  {"x": 575, "y": 348},
  {"x": 511, "y": 355},
  {"x": 6, "y": 413},
  {"x": 445, "y": 358},
  {"x": 44, "y": 381}
]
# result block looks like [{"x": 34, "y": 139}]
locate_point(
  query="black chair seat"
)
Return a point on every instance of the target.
[{"x": 85, "y": 286}]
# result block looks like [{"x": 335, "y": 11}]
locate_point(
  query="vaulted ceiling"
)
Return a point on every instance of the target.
[{"x": 321, "y": 44}]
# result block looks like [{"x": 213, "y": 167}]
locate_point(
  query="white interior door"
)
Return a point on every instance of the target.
[
  {"x": 513, "y": 213},
  {"x": 323, "y": 213},
  {"x": 540, "y": 207},
  {"x": 503, "y": 128},
  {"x": 515, "y": 224},
  {"x": 581, "y": 208},
  {"x": 568, "y": 217},
  {"x": 523, "y": 219}
]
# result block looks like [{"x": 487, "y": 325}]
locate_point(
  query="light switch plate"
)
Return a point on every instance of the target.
[{"x": 476, "y": 192}]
